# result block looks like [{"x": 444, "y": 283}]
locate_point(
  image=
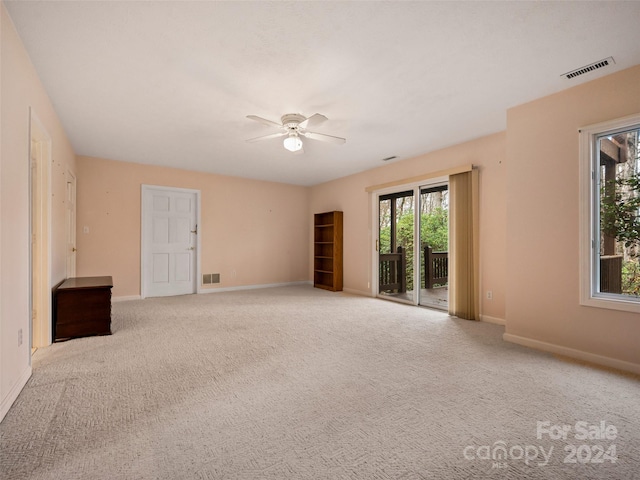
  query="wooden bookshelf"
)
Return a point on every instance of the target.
[{"x": 327, "y": 251}]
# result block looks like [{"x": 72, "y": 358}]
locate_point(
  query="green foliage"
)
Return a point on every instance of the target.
[
  {"x": 405, "y": 239},
  {"x": 619, "y": 209},
  {"x": 631, "y": 278},
  {"x": 385, "y": 240},
  {"x": 404, "y": 230},
  {"x": 434, "y": 231}
]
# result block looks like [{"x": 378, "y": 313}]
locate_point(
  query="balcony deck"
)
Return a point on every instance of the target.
[{"x": 432, "y": 297}]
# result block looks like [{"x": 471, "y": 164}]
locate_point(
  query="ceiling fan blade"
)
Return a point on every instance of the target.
[
  {"x": 315, "y": 119},
  {"x": 264, "y": 121},
  {"x": 325, "y": 138},
  {"x": 267, "y": 137}
]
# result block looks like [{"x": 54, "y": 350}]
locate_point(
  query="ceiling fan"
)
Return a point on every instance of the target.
[{"x": 293, "y": 127}]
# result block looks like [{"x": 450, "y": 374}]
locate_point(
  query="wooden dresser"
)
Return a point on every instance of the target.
[{"x": 82, "y": 307}]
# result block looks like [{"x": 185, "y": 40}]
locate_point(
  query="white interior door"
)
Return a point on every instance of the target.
[{"x": 169, "y": 227}]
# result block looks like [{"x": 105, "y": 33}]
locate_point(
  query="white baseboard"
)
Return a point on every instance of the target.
[
  {"x": 573, "y": 353},
  {"x": 225, "y": 289},
  {"x": 353, "y": 291},
  {"x": 14, "y": 392},
  {"x": 253, "y": 287},
  {"x": 495, "y": 320},
  {"x": 126, "y": 298}
]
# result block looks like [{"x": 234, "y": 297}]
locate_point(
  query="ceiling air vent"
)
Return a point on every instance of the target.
[{"x": 589, "y": 68}]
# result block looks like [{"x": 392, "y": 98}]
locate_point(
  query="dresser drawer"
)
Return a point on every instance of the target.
[{"x": 82, "y": 307}]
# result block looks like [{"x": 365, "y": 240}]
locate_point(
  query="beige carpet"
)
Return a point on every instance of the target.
[{"x": 299, "y": 383}]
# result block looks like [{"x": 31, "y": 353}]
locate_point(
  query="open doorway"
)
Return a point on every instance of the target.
[
  {"x": 434, "y": 247},
  {"x": 412, "y": 250}
]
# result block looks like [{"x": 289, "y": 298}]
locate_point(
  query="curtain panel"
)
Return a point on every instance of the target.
[{"x": 464, "y": 293}]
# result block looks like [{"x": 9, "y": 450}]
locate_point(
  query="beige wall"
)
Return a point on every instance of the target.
[
  {"x": 262, "y": 231},
  {"x": 542, "y": 220},
  {"x": 251, "y": 232},
  {"x": 21, "y": 90},
  {"x": 348, "y": 194}
]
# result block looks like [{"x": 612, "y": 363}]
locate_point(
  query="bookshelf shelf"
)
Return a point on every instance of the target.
[{"x": 327, "y": 248}]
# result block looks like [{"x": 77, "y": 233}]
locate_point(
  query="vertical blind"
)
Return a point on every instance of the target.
[{"x": 464, "y": 298}]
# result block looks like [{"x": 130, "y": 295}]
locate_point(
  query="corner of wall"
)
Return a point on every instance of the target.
[{"x": 14, "y": 391}]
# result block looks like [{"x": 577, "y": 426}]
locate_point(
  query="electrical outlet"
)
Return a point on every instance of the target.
[
  {"x": 19, "y": 337},
  {"x": 489, "y": 295}
]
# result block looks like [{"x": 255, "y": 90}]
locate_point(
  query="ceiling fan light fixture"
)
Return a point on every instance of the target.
[
  {"x": 293, "y": 128},
  {"x": 292, "y": 143}
]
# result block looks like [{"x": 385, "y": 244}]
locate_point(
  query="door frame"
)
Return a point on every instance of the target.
[
  {"x": 71, "y": 225},
  {"x": 149, "y": 188},
  {"x": 378, "y": 195},
  {"x": 40, "y": 331},
  {"x": 375, "y": 227}
]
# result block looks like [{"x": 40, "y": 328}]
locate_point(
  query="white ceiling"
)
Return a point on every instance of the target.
[{"x": 171, "y": 83}]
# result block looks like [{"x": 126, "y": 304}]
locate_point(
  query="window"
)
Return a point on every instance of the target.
[{"x": 610, "y": 214}]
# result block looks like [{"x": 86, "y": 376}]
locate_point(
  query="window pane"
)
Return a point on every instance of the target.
[
  {"x": 618, "y": 252},
  {"x": 405, "y": 228},
  {"x": 434, "y": 239},
  {"x": 385, "y": 226},
  {"x": 396, "y": 245}
]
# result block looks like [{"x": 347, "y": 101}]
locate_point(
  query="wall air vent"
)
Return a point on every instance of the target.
[
  {"x": 210, "y": 278},
  {"x": 589, "y": 68}
]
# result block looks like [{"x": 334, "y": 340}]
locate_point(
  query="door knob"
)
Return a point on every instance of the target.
[
  {"x": 73, "y": 249},
  {"x": 191, "y": 248}
]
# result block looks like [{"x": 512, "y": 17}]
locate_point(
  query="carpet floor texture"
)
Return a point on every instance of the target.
[{"x": 299, "y": 383}]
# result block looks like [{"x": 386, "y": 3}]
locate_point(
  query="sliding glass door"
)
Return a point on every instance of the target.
[{"x": 412, "y": 250}]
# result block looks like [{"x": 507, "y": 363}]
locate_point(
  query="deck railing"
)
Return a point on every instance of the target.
[
  {"x": 611, "y": 273},
  {"x": 393, "y": 270},
  {"x": 393, "y": 267},
  {"x": 436, "y": 267}
]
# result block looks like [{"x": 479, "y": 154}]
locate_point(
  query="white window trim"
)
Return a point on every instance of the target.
[{"x": 588, "y": 205}]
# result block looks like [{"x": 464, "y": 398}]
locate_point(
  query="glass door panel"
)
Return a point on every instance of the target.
[
  {"x": 396, "y": 246},
  {"x": 434, "y": 245}
]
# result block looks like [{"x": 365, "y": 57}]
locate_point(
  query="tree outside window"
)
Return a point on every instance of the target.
[{"x": 619, "y": 208}]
